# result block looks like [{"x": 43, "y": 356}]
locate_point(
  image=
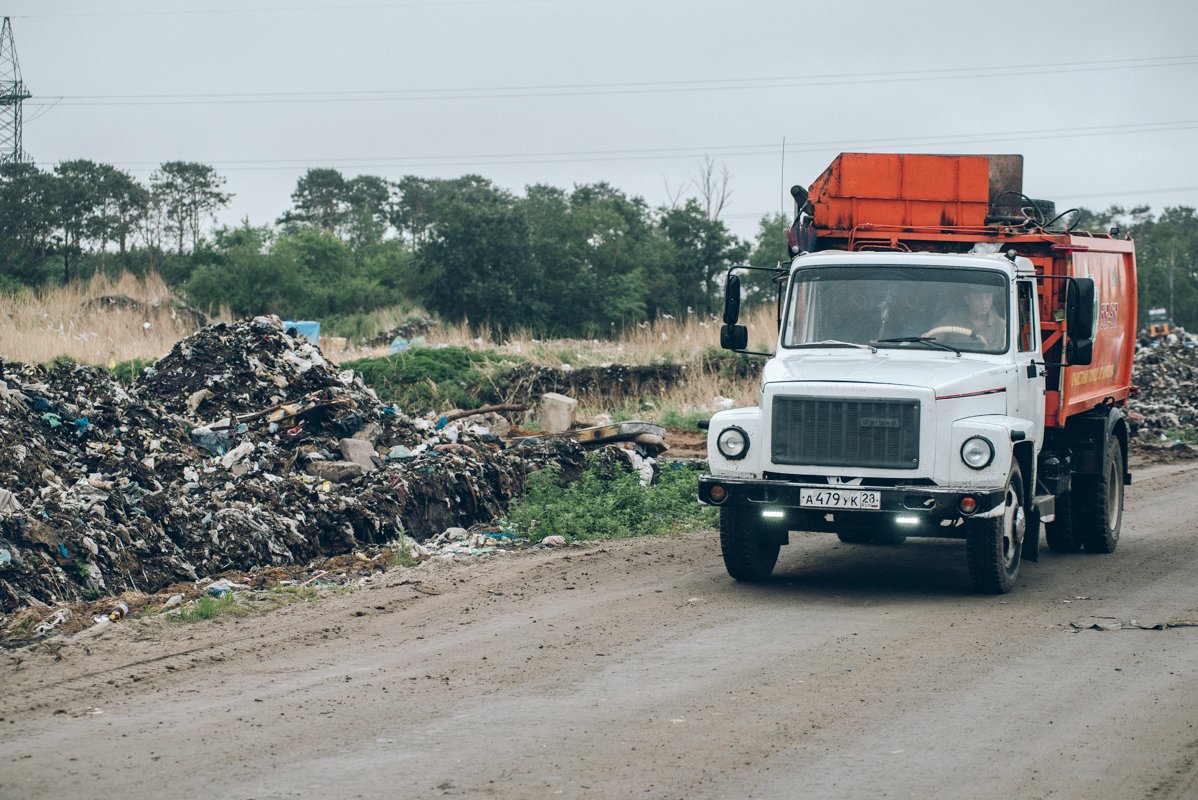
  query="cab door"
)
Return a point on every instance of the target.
[{"x": 1029, "y": 361}]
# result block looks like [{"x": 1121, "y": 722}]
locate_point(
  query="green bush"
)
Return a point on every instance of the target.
[
  {"x": 208, "y": 607},
  {"x": 601, "y": 506},
  {"x": 423, "y": 379}
]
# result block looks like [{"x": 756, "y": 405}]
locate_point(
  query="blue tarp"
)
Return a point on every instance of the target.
[{"x": 310, "y": 330}]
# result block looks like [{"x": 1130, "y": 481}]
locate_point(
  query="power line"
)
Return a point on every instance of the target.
[
  {"x": 241, "y": 10},
  {"x": 673, "y": 153},
  {"x": 624, "y": 88}
]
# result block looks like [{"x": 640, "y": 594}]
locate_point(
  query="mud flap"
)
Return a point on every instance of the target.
[{"x": 1031, "y": 537}]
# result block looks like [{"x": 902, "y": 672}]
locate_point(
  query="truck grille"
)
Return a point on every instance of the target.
[{"x": 845, "y": 432}]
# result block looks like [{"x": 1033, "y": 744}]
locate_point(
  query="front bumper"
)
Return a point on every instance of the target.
[{"x": 920, "y": 510}]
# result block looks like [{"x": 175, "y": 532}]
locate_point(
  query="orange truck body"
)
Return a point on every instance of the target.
[{"x": 953, "y": 203}]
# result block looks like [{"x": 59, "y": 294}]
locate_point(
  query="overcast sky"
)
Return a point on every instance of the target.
[{"x": 1100, "y": 97}]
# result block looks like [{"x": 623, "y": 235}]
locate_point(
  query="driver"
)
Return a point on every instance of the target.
[{"x": 977, "y": 317}]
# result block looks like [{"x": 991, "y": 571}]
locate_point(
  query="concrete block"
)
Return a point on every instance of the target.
[
  {"x": 556, "y": 412},
  {"x": 334, "y": 471},
  {"x": 360, "y": 452}
]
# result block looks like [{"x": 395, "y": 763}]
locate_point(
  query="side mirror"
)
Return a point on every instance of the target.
[
  {"x": 732, "y": 300},
  {"x": 1080, "y": 306},
  {"x": 800, "y": 196},
  {"x": 734, "y": 337},
  {"x": 1079, "y": 352}
]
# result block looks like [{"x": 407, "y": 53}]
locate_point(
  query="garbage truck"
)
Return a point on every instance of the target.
[{"x": 952, "y": 360}]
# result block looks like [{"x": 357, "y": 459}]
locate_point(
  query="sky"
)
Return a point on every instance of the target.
[{"x": 1101, "y": 98}]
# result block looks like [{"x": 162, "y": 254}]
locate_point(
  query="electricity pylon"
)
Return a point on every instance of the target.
[{"x": 12, "y": 93}]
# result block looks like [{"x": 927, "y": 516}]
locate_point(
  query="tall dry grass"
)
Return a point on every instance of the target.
[
  {"x": 101, "y": 321},
  {"x": 665, "y": 341},
  {"x": 106, "y": 321},
  {"x": 668, "y": 340}
]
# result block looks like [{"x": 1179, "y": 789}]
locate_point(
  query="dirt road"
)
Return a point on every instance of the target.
[{"x": 638, "y": 669}]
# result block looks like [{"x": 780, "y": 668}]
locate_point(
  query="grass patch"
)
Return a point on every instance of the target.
[
  {"x": 402, "y": 556},
  {"x": 683, "y": 418},
  {"x": 296, "y": 593},
  {"x": 600, "y": 505},
  {"x": 1187, "y": 434},
  {"x": 127, "y": 372},
  {"x": 209, "y": 607},
  {"x": 426, "y": 379}
]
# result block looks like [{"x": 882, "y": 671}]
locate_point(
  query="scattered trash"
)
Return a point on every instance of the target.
[
  {"x": 119, "y": 611},
  {"x": 1167, "y": 401},
  {"x": 554, "y": 541},
  {"x": 53, "y": 621},
  {"x": 1113, "y": 624}
]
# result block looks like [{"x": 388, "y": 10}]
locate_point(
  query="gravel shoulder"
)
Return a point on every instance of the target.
[{"x": 638, "y": 668}]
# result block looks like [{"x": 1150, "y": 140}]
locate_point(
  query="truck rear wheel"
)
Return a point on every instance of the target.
[
  {"x": 994, "y": 545},
  {"x": 750, "y": 552},
  {"x": 1098, "y": 504}
]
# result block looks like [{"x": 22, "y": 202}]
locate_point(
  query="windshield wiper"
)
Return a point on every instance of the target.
[
  {"x": 918, "y": 340},
  {"x": 838, "y": 343}
]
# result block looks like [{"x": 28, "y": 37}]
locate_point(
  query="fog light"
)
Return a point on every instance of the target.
[
  {"x": 718, "y": 494},
  {"x": 773, "y": 513},
  {"x": 968, "y": 505}
]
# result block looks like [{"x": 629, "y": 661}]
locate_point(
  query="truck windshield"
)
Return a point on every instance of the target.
[{"x": 893, "y": 306}]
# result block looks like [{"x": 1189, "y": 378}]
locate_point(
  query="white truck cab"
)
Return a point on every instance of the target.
[{"x": 905, "y": 398}]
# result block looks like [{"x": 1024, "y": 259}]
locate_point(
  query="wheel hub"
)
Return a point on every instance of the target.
[{"x": 1013, "y": 531}]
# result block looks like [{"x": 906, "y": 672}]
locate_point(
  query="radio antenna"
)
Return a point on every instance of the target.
[{"x": 782, "y": 179}]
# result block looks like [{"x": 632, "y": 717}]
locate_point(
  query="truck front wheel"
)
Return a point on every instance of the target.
[
  {"x": 750, "y": 552},
  {"x": 994, "y": 544},
  {"x": 1098, "y": 503}
]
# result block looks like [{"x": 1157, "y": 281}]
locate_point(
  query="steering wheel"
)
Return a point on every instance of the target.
[{"x": 957, "y": 329}]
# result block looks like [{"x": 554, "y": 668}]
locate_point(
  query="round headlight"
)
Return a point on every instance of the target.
[
  {"x": 977, "y": 452},
  {"x": 733, "y": 443}
]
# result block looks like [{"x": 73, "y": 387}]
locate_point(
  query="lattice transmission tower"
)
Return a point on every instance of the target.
[{"x": 12, "y": 94}]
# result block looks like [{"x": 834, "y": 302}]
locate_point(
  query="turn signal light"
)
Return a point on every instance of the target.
[
  {"x": 718, "y": 494},
  {"x": 968, "y": 505}
]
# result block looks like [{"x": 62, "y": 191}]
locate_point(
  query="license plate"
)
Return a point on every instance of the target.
[{"x": 840, "y": 498}]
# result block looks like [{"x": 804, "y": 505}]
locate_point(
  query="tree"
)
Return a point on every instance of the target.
[
  {"x": 769, "y": 250},
  {"x": 369, "y": 212},
  {"x": 27, "y": 220},
  {"x": 123, "y": 204},
  {"x": 189, "y": 193},
  {"x": 414, "y": 212},
  {"x": 239, "y": 272},
  {"x": 78, "y": 210},
  {"x": 703, "y": 248},
  {"x": 475, "y": 264},
  {"x": 320, "y": 200}
]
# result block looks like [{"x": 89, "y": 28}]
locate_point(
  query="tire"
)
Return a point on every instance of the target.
[
  {"x": 750, "y": 551},
  {"x": 1098, "y": 504},
  {"x": 994, "y": 545},
  {"x": 1062, "y": 534}
]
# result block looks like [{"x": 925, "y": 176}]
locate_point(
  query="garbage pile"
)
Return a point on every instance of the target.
[
  {"x": 241, "y": 447},
  {"x": 1166, "y": 406}
]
